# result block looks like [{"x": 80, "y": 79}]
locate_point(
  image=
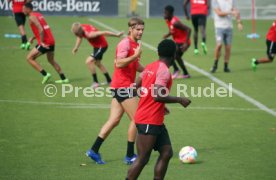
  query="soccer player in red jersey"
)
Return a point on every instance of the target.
[
  {"x": 97, "y": 40},
  {"x": 181, "y": 36},
  {"x": 155, "y": 83},
  {"x": 124, "y": 99},
  {"x": 20, "y": 19},
  {"x": 271, "y": 48},
  {"x": 199, "y": 12},
  {"x": 46, "y": 44}
]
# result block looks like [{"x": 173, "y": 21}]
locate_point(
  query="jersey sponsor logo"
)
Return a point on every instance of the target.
[
  {"x": 19, "y": 1},
  {"x": 199, "y": 1}
]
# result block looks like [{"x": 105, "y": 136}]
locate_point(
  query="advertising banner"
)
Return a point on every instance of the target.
[{"x": 68, "y": 7}]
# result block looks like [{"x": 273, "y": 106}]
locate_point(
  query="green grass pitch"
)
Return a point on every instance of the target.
[{"x": 46, "y": 138}]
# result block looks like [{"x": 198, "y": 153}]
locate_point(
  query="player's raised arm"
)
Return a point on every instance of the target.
[
  {"x": 104, "y": 33},
  {"x": 123, "y": 62}
]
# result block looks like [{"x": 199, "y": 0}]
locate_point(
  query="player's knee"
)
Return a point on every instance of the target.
[
  {"x": 89, "y": 60},
  {"x": 98, "y": 64},
  {"x": 143, "y": 160},
  {"x": 30, "y": 58},
  {"x": 167, "y": 155},
  {"x": 115, "y": 121},
  {"x": 219, "y": 46}
]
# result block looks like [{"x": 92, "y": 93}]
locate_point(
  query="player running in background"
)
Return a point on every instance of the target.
[
  {"x": 97, "y": 40},
  {"x": 199, "y": 13},
  {"x": 224, "y": 10},
  {"x": 46, "y": 44},
  {"x": 156, "y": 82},
  {"x": 126, "y": 65},
  {"x": 271, "y": 48},
  {"x": 20, "y": 19},
  {"x": 181, "y": 36}
]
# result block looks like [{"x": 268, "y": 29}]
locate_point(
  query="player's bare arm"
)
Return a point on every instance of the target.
[
  {"x": 221, "y": 13},
  {"x": 31, "y": 40},
  {"x": 35, "y": 21},
  {"x": 167, "y": 35},
  {"x": 185, "y": 7},
  {"x": 183, "y": 27},
  {"x": 77, "y": 44},
  {"x": 237, "y": 15},
  {"x": 120, "y": 63},
  {"x": 138, "y": 83},
  {"x": 161, "y": 95},
  {"x": 140, "y": 68},
  {"x": 92, "y": 35}
]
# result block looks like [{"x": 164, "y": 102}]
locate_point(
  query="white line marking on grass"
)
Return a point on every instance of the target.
[
  {"x": 48, "y": 103},
  {"x": 205, "y": 73},
  {"x": 71, "y": 105}
]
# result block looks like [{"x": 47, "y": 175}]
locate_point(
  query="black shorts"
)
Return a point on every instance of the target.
[
  {"x": 122, "y": 94},
  {"x": 44, "y": 50},
  {"x": 271, "y": 49},
  {"x": 161, "y": 132},
  {"x": 20, "y": 19},
  {"x": 98, "y": 53},
  {"x": 198, "y": 20}
]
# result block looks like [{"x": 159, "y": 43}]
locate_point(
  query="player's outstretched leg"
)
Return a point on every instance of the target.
[
  {"x": 130, "y": 107},
  {"x": 90, "y": 62},
  {"x": 104, "y": 71},
  {"x": 183, "y": 67},
  {"x": 31, "y": 58},
  {"x": 51, "y": 60},
  {"x": 116, "y": 113},
  {"x": 217, "y": 56},
  {"x": 162, "y": 163},
  {"x": 145, "y": 145},
  {"x": 175, "y": 71},
  {"x": 254, "y": 64}
]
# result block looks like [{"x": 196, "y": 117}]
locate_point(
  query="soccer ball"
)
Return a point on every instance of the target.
[{"x": 187, "y": 155}]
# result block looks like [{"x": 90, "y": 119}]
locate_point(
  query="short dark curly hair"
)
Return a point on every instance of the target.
[
  {"x": 166, "y": 48},
  {"x": 169, "y": 8},
  {"x": 29, "y": 5}
]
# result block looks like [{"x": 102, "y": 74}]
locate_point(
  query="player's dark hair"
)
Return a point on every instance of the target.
[
  {"x": 169, "y": 9},
  {"x": 166, "y": 48},
  {"x": 29, "y": 5},
  {"x": 135, "y": 21}
]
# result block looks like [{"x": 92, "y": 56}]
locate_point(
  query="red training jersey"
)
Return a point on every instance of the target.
[
  {"x": 125, "y": 77},
  {"x": 179, "y": 36},
  {"x": 271, "y": 35},
  {"x": 199, "y": 7},
  {"x": 97, "y": 42},
  {"x": 17, "y": 6},
  {"x": 48, "y": 36},
  {"x": 150, "y": 111}
]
